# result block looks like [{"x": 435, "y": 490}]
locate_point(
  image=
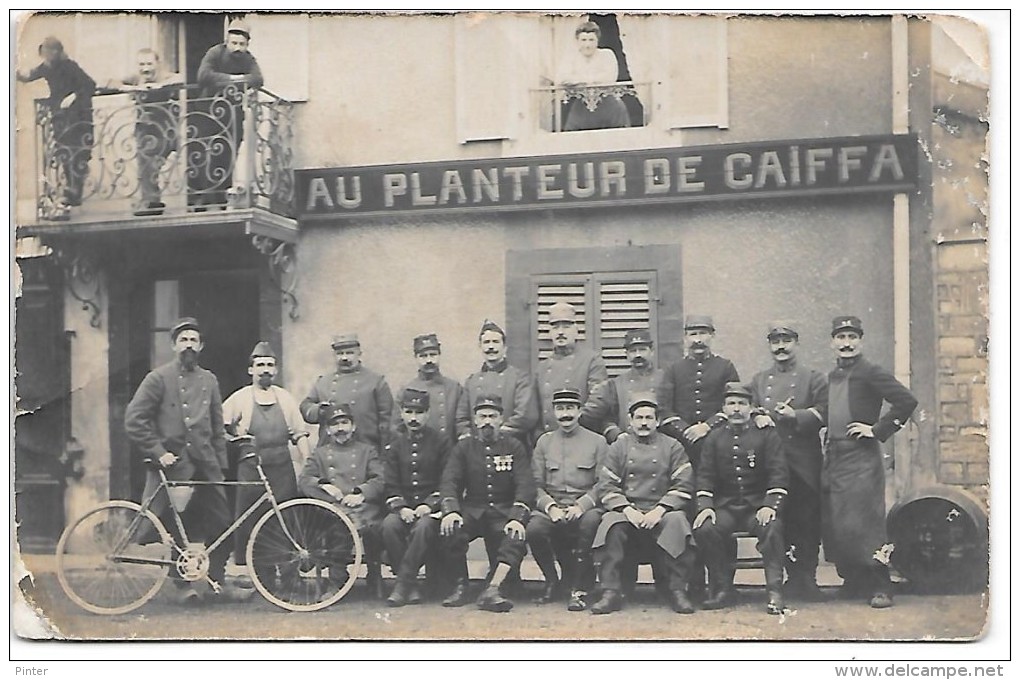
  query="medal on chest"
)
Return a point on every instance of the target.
[
  {"x": 503, "y": 463},
  {"x": 750, "y": 458}
]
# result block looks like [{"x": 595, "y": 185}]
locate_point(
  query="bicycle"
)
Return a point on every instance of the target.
[{"x": 115, "y": 557}]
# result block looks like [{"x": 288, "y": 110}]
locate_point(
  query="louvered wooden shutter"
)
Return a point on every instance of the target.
[
  {"x": 626, "y": 301},
  {"x": 549, "y": 290}
]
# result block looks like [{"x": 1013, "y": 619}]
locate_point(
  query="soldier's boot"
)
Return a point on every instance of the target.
[
  {"x": 583, "y": 580},
  {"x": 774, "y": 588},
  {"x": 722, "y": 593},
  {"x": 375, "y": 582},
  {"x": 611, "y": 601},
  {"x": 459, "y": 596},
  {"x": 679, "y": 602},
  {"x": 547, "y": 564},
  {"x": 415, "y": 596},
  {"x": 881, "y": 587},
  {"x": 491, "y": 600},
  {"x": 401, "y": 594}
]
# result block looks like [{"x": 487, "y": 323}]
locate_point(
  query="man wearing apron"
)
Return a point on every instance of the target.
[
  {"x": 853, "y": 478},
  {"x": 270, "y": 414}
]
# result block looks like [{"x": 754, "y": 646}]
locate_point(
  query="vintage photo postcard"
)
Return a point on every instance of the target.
[{"x": 515, "y": 326}]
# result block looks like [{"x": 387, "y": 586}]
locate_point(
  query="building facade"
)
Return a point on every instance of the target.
[{"x": 405, "y": 175}]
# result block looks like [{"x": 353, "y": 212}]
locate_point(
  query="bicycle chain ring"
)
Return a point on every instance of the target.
[{"x": 193, "y": 563}]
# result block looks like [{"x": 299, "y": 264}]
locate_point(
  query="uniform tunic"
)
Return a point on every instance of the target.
[
  {"x": 582, "y": 370},
  {"x": 692, "y": 391},
  {"x": 351, "y": 467},
  {"x": 520, "y": 411},
  {"x": 179, "y": 411},
  {"x": 853, "y": 478},
  {"x": 444, "y": 395},
  {"x": 608, "y": 404},
  {"x": 368, "y": 395},
  {"x": 807, "y": 392}
]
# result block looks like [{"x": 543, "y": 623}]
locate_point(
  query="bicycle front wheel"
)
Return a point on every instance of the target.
[
  {"x": 306, "y": 557},
  {"x": 114, "y": 558}
]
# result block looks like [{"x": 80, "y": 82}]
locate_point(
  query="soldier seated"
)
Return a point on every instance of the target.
[{"x": 741, "y": 482}]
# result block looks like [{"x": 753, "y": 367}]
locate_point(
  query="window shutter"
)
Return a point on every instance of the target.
[
  {"x": 626, "y": 301},
  {"x": 549, "y": 290},
  {"x": 698, "y": 72}
]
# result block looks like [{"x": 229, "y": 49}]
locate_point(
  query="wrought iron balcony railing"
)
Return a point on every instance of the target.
[
  {"x": 149, "y": 152},
  {"x": 566, "y": 108}
]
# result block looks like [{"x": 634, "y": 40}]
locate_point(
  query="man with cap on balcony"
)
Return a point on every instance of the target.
[
  {"x": 795, "y": 397},
  {"x": 365, "y": 391},
  {"x": 444, "y": 393},
  {"x": 270, "y": 414},
  {"x": 497, "y": 377},
  {"x": 349, "y": 472},
  {"x": 175, "y": 420},
  {"x": 413, "y": 465},
  {"x": 570, "y": 365},
  {"x": 741, "y": 484},
  {"x": 644, "y": 485},
  {"x": 226, "y": 71},
  {"x": 565, "y": 463},
  {"x": 853, "y": 476},
  {"x": 487, "y": 491},
  {"x": 691, "y": 393},
  {"x": 606, "y": 410}
]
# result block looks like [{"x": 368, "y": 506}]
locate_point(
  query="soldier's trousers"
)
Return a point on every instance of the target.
[
  {"x": 409, "y": 546},
  {"x": 489, "y": 527},
  {"x": 802, "y": 528},
  {"x": 567, "y": 542},
  {"x": 719, "y": 546},
  {"x": 623, "y": 541}
]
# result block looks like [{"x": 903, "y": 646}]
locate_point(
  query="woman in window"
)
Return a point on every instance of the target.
[{"x": 592, "y": 105}]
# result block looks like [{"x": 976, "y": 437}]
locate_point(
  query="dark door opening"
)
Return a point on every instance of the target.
[{"x": 201, "y": 31}]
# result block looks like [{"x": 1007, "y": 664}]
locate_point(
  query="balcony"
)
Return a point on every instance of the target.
[
  {"x": 166, "y": 157},
  {"x": 571, "y": 108}
]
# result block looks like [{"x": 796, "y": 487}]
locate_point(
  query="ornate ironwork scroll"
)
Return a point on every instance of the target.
[
  {"x": 81, "y": 278},
  {"x": 282, "y": 268}
]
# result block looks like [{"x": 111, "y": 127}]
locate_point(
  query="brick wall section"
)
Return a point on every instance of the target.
[{"x": 962, "y": 298}]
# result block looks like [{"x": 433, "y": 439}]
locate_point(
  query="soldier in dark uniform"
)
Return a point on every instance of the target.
[
  {"x": 363, "y": 390},
  {"x": 606, "y": 410},
  {"x": 488, "y": 491},
  {"x": 796, "y": 399},
  {"x": 853, "y": 478},
  {"x": 175, "y": 419},
  {"x": 644, "y": 486},
  {"x": 570, "y": 365},
  {"x": 444, "y": 393},
  {"x": 566, "y": 463},
  {"x": 741, "y": 482},
  {"x": 349, "y": 472},
  {"x": 413, "y": 464},
  {"x": 498, "y": 377}
]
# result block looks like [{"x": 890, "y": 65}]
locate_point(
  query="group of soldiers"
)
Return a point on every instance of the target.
[{"x": 595, "y": 474}]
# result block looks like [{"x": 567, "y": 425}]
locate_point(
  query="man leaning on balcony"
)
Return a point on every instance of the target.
[
  {"x": 591, "y": 66},
  {"x": 156, "y": 93},
  {"x": 226, "y": 72}
]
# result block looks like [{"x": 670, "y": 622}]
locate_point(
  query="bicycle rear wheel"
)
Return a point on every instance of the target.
[
  {"x": 306, "y": 557},
  {"x": 114, "y": 558}
]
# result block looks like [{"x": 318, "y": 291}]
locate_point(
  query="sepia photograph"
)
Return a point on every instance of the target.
[{"x": 500, "y": 326}]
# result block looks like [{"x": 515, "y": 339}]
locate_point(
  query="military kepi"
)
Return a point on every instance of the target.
[
  {"x": 847, "y": 323},
  {"x": 336, "y": 411},
  {"x": 562, "y": 311},
  {"x": 640, "y": 336},
  {"x": 345, "y": 340},
  {"x": 186, "y": 323},
  {"x": 780, "y": 328},
  {"x": 489, "y": 401},
  {"x": 488, "y": 325},
  {"x": 262, "y": 349},
  {"x": 642, "y": 399},
  {"x": 426, "y": 342},
  {"x": 736, "y": 389},
  {"x": 412, "y": 398},
  {"x": 566, "y": 396},
  {"x": 698, "y": 321}
]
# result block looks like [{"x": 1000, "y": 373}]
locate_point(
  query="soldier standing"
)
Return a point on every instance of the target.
[
  {"x": 741, "y": 482},
  {"x": 570, "y": 366},
  {"x": 363, "y": 390},
  {"x": 488, "y": 491},
  {"x": 565, "y": 464},
  {"x": 853, "y": 478},
  {"x": 413, "y": 464},
  {"x": 796, "y": 399},
  {"x": 606, "y": 410},
  {"x": 444, "y": 393},
  {"x": 644, "y": 486}
]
